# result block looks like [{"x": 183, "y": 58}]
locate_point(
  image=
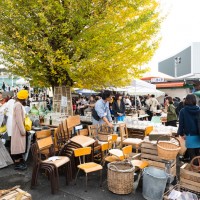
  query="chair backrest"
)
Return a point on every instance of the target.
[
  {"x": 93, "y": 130},
  {"x": 127, "y": 150},
  {"x": 43, "y": 134},
  {"x": 45, "y": 143},
  {"x": 106, "y": 146},
  {"x": 148, "y": 130},
  {"x": 73, "y": 121},
  {"x": 82, "y": 152},
  {"x": 113, "y": 140},
  {"x": 84, "y": 132},
  {"x": 123, "y": 130}
]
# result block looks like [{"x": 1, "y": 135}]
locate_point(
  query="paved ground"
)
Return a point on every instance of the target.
[{"x": 9, "y": 178}]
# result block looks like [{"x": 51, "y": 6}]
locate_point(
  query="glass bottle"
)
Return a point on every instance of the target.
[{"x": 50, "y": 121}]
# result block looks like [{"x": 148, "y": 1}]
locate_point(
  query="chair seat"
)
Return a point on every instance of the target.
[
  {"x": 90, "y": 167},
  {"x": 58, "y": 162},
  {"x": 101, "y": 142},
  {"x": 116, "y": 152},
  {"x": 132, "y": 141},
  {"x": 139, "y": 163},
  {"x": 111, "y": 159},
  {"x": 118, "y": 139}
]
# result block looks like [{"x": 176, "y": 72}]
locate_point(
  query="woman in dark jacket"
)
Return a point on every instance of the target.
[
  {"x": 188, "y": 126},
  {"x": 171, "y": 112},
  {"x": 118, "y": 107}
]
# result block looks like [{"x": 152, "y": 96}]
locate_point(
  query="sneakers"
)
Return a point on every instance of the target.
[{"x": 21, "y": 166}]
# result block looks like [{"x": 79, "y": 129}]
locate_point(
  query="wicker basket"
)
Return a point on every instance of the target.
[
  {"x": 104, "y": 132},
  {"x": 195, "y": 168},
  {"x": 181, "y": 189},
  {"x": 120, "y": 177},
  {"x": 168, "y": 150}
]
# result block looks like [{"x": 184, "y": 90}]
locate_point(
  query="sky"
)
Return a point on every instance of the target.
[{"x": 180, "y": 28}]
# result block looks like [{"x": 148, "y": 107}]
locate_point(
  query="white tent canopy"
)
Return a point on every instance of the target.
[
  {"x": 142, "y": 84},
  {"x": 139, "y": 87}
]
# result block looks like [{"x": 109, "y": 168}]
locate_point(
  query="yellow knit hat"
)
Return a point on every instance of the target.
[{"x": 22, "y": 94}]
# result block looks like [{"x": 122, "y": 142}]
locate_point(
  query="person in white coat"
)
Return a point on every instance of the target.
[
  {"x": 153, "y": 104},
  {"x": 9, "y": 105}
]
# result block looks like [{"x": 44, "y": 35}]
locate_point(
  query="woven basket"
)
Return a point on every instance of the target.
[
  {"x": 194, "y": 167},
  {"x": 120, "y": 177},
  {"x": 168, "y": 150},
  {"x": 104, "y": 132}
]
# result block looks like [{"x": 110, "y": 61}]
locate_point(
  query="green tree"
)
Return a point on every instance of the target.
[{"x": 95, "y": 43}]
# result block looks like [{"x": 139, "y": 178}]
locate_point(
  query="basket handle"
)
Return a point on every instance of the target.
[
  {"x": 114, "y": 167},
  {"x": 169, "y": 137},
  {"x": 197, "y": 167}
]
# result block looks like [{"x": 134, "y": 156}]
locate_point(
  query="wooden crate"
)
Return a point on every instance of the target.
[
  {"x": 149, "y": 153},
  {"x": 135, "y": 133},
  {"x": 189, "y": 179},
  {"x": 16, "y": 194},
  {"x": 181, "y": 189}
]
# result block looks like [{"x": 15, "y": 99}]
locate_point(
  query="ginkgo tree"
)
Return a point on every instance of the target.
[{"x": 93, "y": 43}]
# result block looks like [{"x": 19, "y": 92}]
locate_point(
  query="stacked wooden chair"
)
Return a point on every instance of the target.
[{"x": 50, "y": 165}]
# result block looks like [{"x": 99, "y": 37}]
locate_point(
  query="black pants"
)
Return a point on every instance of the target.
[
  {"x": 171, "y": 123},
  {"x": 193, "y": 152},
  {"x": 18, "y": 157}
]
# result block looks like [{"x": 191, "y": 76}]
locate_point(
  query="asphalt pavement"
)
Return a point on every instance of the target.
[{"x": 10, "y": 177}]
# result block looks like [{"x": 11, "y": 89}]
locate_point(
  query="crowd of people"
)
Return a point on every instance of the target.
[{"x": 106, "y": 107}]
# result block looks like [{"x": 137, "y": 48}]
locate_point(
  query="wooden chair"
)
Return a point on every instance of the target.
[
  {"x": 125, "y": 140},
  {"x": 56, "y": 162},
  {"x": 106, "y": 156},
  {"x": 93, "y": 133},
  {"x": 87, "y": 167},
  {"x": 127, "y": 151},
  {"x": 148, "y": 130},
  {"x": 93, "y": 130},
  {"x": 43, "y": 134},
  {"x": 117, "y": 154},
  {"x": 84, "y": 132},
  {"x": 49, "y": 169},
  {"x": 61, "y": 136},
  {"x": 71, "y": 122}
]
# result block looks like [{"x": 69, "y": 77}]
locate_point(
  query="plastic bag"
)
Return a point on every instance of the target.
[
  {"x": 28, "y": 123},
  {"x": 3, "y": 129}
]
